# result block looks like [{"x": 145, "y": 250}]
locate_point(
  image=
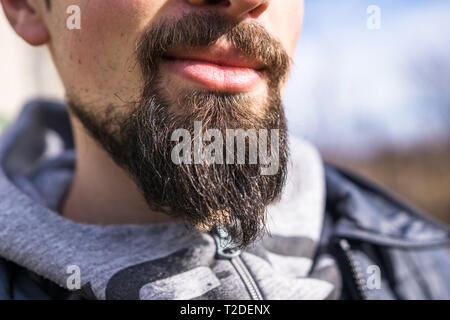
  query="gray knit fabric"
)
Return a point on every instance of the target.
[{"x": 161, "y": 261}]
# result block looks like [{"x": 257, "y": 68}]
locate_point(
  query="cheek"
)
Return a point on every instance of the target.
[
  {"x": 285, "y": 22},
  {"x": 102, "y": 51},
  {"x": 107, "y": 30}
]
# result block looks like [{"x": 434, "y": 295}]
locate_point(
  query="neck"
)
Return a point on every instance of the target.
[{"x": 102, "y": 192}]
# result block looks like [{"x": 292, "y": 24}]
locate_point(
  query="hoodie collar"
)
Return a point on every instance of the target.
[{"x": 34, "y": 177}]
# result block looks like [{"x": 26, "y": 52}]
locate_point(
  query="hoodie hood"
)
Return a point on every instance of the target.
[{"x": 160, "y": 261}]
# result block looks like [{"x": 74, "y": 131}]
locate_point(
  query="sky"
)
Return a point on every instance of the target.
[{"x": 353, "y": 87}]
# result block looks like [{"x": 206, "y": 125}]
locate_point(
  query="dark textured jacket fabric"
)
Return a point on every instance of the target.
[
  {"x": 369, "y": 227},
  {"x": 370, "y": 234}
]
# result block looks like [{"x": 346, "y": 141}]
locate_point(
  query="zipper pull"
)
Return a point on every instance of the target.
[{"x": 225, "y": 247}]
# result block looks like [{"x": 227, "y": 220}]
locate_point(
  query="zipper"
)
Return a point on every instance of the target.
[
  {"x": 355, "y": 269},
  {"x": 225, "y": 249},
  {"x": 247, "y": 278}
]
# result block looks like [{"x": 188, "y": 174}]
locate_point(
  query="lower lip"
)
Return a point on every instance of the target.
[{"x": 215, "y": 77}]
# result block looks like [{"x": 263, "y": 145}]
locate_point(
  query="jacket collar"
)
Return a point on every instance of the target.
[{"x": 364, "y": 211}]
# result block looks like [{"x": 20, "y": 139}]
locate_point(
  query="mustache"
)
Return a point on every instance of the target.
[{"x": 193, "y": 30}]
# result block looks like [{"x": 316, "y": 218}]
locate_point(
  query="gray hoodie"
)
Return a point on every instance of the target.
[{"x": 160, "y": 261}]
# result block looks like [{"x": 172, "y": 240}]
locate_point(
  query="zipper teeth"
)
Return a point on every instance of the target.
[
  {"x": 235, "y": 259},
  {"x": 246, "y": 277},
  {"x": 355, "y": 269}
]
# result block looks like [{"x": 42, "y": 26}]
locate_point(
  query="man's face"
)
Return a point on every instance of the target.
[
  {"x": 103, "y": 51},
  {"x": 138, "y": 71}
]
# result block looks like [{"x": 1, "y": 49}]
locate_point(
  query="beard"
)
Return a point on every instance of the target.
[{"x": 138, "y": 135}]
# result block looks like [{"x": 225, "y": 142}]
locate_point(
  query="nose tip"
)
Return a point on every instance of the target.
[{"x": 237, "y": 9}]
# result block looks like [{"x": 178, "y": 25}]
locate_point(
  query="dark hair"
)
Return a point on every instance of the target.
[
  {"x": 48, "y": 4},
  {"x": 233, "y": 196}
]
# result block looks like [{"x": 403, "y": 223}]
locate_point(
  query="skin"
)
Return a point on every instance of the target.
[{"x": 97, "y": 65}]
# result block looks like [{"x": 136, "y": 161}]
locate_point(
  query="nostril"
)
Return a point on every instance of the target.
[
  {"x": 255, "y": 13},
  {"x": 225, "y": 3}
]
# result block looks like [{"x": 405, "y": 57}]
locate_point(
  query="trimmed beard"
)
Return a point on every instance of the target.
[{"x": 138, "y": 135}]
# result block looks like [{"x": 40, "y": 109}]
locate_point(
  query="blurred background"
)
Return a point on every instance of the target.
[{"x": 370, "y": 89}]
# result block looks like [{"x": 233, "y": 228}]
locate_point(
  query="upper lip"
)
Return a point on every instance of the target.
[{"x": 221, "y": 53}]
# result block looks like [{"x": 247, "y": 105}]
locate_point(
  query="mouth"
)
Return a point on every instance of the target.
[{"x": 220, "y": 67}]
